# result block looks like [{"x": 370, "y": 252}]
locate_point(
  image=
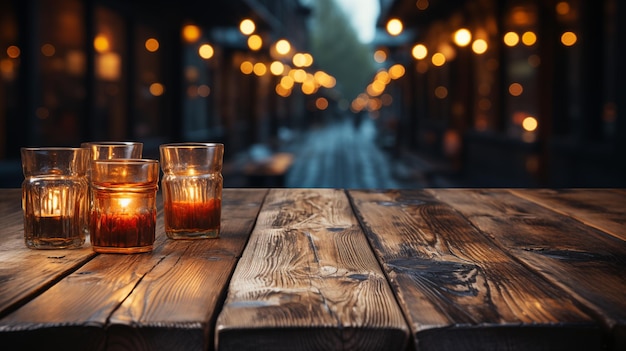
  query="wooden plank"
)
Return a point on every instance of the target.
[
  {"x": 180, "y": 298},
  {"x": 25, "y": 272},
  {"x": 584, "y": 262},
  {"x": 460, "y": 291},
  {"x": 308, "y": 281},
  {"x": 165, "y": 299},
  {"x": 604, "y": 209}
]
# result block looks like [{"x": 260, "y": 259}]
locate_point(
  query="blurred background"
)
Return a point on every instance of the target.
[{"x": 328, "y": 93}]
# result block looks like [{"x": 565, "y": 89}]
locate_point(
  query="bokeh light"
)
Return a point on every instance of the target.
[
  {"x": 438, "y": 59},
  {"x": 511, "y": 39},
  {"x": 530, "y": 124},
  {"x": 569, "y": 38},
  {"x": 255, "y": 42},
  {"x": 101, "y": 44},
  {"x": 283, "y": 47},
  {"x": 156, "y": 89},
  {"x": 394, "y": 26},
  {"x": 380, "y": 56},
  {"x": 247, "y": 26},
  {"x": 529, "y": 38},
  {"x": 191, "y": 33},
  {"x": 151, "y": 44},
  {"x": 246, "y": 67},
  {"x": 516, "y": 89},
  {"x": 13, "y": 51},
  {"x": 206, "y": 51},
  {"x": 479, "y": 46},
  {"x": 419, "y": 51},
  {"x": 462, "y": 37}
]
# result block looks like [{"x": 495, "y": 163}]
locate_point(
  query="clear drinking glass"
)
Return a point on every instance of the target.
[
  {"x": 192, "y": 189},
  {"x": 54, "y": 197},
  {"x": 123, "y": 214},
  {"x": 107, "y": 150}
]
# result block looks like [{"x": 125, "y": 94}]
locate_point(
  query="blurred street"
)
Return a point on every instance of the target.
[
  {"x": 448, "y": 98},
  {"x": 341, "y": 156},
  {"x": 334, "y": 155}
]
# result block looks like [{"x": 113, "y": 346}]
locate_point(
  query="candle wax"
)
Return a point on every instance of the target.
[
  {"x": 53, "y": 231},
  {"x": 122, "y": 230},
  {"x": 193, "y": 216}
]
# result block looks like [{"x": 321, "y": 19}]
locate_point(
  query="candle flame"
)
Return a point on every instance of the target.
[
  {"x": 52, "y": 203},
  {"x": 124, "y": 202},
  {"x": 53, "y": 199},
  {"x": 192, "y": 192}
]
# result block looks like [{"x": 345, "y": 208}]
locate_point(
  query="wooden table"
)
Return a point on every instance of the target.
[{"x": 330, "y": 269}]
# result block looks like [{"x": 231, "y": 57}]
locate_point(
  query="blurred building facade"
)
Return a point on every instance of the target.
[
  {"x": 510, "y": 93},
  {"x": 531, "y": 94},
  {"x": 152, "y": 71}
]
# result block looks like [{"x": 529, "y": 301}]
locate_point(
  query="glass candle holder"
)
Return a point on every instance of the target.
[
  {"x": 123, "y": 214},
  {"x": 192, "y": 189},
  {"x": 107, "y": 150},
  {"x": 54, "y": 197}
]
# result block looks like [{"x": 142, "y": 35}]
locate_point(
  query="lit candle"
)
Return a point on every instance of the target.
[
  {"x": 123, "y": 217},
  {"x": 126, "y": 227},
  {"x": 193, "y": 216},
  {"x": 192, "y": 189},
  {"x": 50, "y": 222},
  {"x": 51, "y": 203},
  {"x": 54, "y": 197},
  {"x": 53, "y": 223}
]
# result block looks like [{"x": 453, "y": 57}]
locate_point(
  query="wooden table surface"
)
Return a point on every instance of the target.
[{"x": 332, "y": 269}]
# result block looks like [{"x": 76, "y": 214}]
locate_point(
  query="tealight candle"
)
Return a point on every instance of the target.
[
  {"x": 192, "y": 189},
  {"x": 107, "y": 150},
  {"x": 123, "y": 217}
]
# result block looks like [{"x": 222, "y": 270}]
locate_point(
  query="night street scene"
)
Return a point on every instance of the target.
[{"x": 328, "y": 93}]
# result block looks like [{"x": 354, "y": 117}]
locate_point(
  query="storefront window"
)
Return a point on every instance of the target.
[
  {"x": 520, "y": 38},
  {"x": 110, "y": 117},
  {"x": 59, "y": 100},
  {"x": 197, "y": 56},
  {"x": 149, "y": 85},
  {"x": 10, "y": 54}
]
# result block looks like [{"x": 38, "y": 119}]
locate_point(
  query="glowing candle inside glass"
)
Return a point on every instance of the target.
[
  {"x": 193, "y": 212},
  {"x": 51, "y": 204},
  {"x": 192, "y": 189},
  {"x": 54, "y": 222},
  {"x": 123, "y": 219},
  {"x": 54, "y": 197},
  {"x": 125, "y": 227}
]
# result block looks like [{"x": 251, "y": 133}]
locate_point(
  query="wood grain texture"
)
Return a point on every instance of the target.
[
  {"x": 308, "y": 281},
  {"x": 175, "y": 305},
  {"x": 583, "y": 261},
  {"x": 487, "y": 269},
  {"x": 604, "y": 209},
  {"x": 25, "y": 272},
  {"x": 165, "y": 299},
  {"x": 459, "y": 290}
]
